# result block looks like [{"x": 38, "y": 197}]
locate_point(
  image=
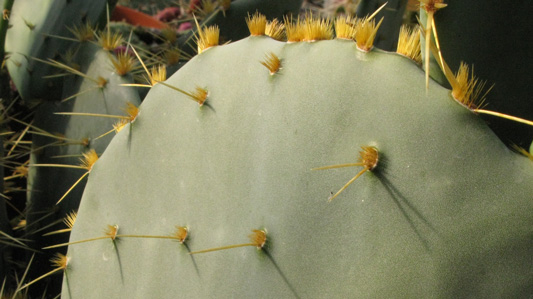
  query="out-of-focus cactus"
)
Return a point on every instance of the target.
[
  {"x": 5, "y": 227},
  {"x": 62, "y": 139},
  {"x": 31, "y": 35}
]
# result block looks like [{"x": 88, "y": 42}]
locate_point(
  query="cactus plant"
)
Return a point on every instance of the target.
[
  {"x": 443, "y": 210},
  {"x": 394, "y": 208}
]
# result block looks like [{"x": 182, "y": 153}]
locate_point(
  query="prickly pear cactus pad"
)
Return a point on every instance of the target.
[{"x": 446, "y": 211}]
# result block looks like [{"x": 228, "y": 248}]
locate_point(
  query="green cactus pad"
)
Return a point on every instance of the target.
[{"x": 447, "y": 212}]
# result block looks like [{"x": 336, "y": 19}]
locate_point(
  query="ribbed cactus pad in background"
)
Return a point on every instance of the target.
[
  {"x": 446, "y": 213},
  {"x": 79, "y": 132},
  {"x": 34, "y": 23},
  {"x": 75, "y": 135}
]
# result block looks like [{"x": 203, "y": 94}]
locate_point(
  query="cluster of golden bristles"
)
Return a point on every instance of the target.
[
  {"x": 368, "y": 159},
  {"x": 409, "y": 43},
  {"x": 312, "y": 28}
]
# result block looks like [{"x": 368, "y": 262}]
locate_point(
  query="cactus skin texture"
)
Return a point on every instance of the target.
[
  {"x": 48, "y": 184},
  {"x": 32, "y": 22},
  {"x": 446, "y": 213}
]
